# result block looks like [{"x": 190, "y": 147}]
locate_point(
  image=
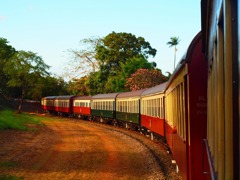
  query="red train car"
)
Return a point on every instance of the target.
[
  {"x": 152, "y": 109},
  {"x": 63, "y": 105},
  {"x": 186, "y": 112},
  {"x": 47, "y": 103},
  {"x": 82, "y": 106}
]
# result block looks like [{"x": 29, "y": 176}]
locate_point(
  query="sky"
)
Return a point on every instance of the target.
[{"x": 51, "y": 27}]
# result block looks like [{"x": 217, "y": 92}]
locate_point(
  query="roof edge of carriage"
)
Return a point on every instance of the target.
[
  {"x": 132, "y": 94},
  {"x": 105, "y": 96},
  {"x": 155, "y": 90}
]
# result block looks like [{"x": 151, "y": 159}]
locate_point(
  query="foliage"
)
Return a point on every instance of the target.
[
  {"x": 10, "y": 177},
  {"x": 23, "y": 70},
  {"x": 118, "y": 47},
  {"x": 24, "y": 74},
  {"x": 10, "y": 120},
  {"x": 144, "y": 78},
  {"x": 118, "y": 55},
  {"x": 6, "y": 52},
  {"x": 96, "y": 82},
  {"x": 47, "y": 86},
  {"x": 117, "y": 83},
  {"x": 79, "y": 86}
]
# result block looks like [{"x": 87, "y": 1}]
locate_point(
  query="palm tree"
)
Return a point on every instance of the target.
[{"x": 174, "y": 42}]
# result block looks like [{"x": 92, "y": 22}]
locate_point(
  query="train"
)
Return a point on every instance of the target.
[
  {"x": 220, "y": 21},
  {"x": 196, "y": 112},
  {"x": 174, "y": 111}
]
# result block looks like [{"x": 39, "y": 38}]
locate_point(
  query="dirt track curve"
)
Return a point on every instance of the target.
[{"x": 73, "y": 149}]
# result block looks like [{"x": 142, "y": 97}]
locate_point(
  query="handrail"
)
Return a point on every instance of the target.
[{"x": 213, "y": 175}]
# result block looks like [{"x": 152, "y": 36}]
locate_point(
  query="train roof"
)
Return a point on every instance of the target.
[
  {"x": 65, "y": 97},
  {"x": 82, "y": 98},
  {"x": 131, "y": 94},
  {"x": 155, "y": 90},
  {"x": 186, "y": 58},
  {"x": 49, "y": 97},
  {"x": 105, "y": 96}
]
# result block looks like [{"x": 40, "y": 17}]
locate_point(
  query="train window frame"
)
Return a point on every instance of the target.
[{"x": 175, "y": 109}]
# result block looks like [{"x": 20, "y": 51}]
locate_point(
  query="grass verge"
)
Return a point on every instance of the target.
[
  {"x": 10, "y": 120},
  {"x": 10, "y": 177}
]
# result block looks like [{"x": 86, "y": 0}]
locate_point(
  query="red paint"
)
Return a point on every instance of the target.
[
  {"x": 154, "y": 124},
  {"x": 82, "y": 110},
  {"x": 188, "y": 152},
  {"x": 198, "y": 112},
  {"x": 63, "y": 109},
  {"x": 49, "y": 108}
]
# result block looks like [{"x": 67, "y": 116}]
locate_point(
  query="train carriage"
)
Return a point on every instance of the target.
[
  {"x": 221, "y": 37},
  {"x": 103, "y": 107},
  {"x": 63, "y": 105},
  {"x": 47, "y": 103},
  {"x": 152, "y": 109},
  {"x": 128, "y": 108},
  {"x": 186, "y": 112},
  {"x": 82, "y": 107}
]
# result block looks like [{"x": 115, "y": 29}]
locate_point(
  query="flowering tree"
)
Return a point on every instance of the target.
[{"x": 144, "y": 78}]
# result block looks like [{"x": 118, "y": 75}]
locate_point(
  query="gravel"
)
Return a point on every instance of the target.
[{"x": 158, "y": 160}]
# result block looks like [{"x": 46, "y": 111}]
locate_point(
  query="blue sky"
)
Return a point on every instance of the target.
[{"x": 51, "y": 27}]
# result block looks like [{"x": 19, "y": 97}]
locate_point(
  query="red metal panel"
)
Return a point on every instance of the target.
[
  {"x": 44, "y": 107},
  {"x": 153, "y": 123},
  {"x": 180, "y": 154},
  {"x": 197, "y": 111},
  {"x": 62, "y": 109},
  {"x": 51, "y": 108},
  {"x": 82, "y": 110},
  {"x": 189, "y": 154}
]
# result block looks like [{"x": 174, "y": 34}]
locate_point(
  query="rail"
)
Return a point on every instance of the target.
[{"x": 213, "y": 175}]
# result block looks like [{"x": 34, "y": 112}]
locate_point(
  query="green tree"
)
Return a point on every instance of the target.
[
  {"x": 23, "y": 70},
  {"x": 6, "y": 52},
  {"x": 118, "y": 47},
  {"x": 144, "y": 78},
  {"x": 115, "y": 57},
  {"x": 79, "y": 86},
  {"x": 96, "y": 82},
  {"x": 174, "y": 41},
  {"x": 47, "y": 86},
  {"x": 117, "y": 83}
]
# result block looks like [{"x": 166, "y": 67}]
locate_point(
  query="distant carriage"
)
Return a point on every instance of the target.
[
  {"x": 63, "y": 105},
  {"x": 103, "y": 107},
  {"x": 152, "y": 109},
  {"x": 128, "y": 108},
  {"x": 82, "y": 107},
  {"x": 47, "y": 103}
]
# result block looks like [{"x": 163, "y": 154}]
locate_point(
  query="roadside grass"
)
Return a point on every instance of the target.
[
  {"x": 10, "y": 120},
  {"x": 8, "y": 164},
  {"x": 10, "y": 177}
]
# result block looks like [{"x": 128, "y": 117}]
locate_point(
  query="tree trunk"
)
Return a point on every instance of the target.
[
  {"x": 175, "y": 50},
  {"x": 21, "y": 101}
]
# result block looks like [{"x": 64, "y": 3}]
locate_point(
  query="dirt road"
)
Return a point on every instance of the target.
[{"x": 71, "y": 149}]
